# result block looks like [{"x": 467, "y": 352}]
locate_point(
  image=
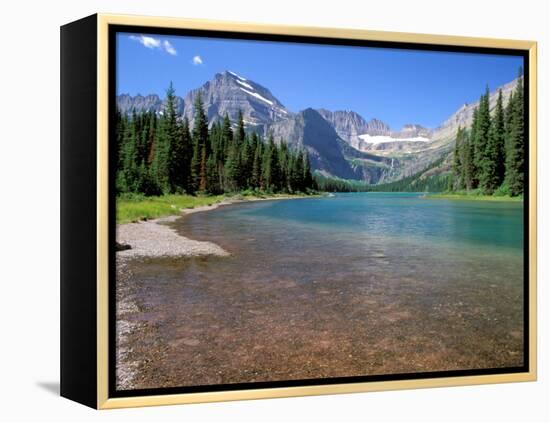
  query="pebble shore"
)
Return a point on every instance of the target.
[{"x": 153, "y": 238}]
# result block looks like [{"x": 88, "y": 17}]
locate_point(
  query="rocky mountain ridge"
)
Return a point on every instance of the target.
[{"x": 339, "y": 143}]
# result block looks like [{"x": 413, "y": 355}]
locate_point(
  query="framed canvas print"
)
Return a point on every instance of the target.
[{"x": 254, "y": 211}]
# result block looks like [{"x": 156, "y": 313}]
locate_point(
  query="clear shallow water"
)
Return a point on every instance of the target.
[{"x": 356, "y": 284}]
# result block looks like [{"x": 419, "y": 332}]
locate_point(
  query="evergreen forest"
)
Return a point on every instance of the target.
[
  {"x": 161, "y": 154},
  {"x": 490, "y": 155}
]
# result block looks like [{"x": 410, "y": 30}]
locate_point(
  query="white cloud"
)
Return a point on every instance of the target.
[
  {"x": 169, "y": 48},
  {"x": 197, "y": 60},
  {"x": 149, "y": 42},
  {"x": 155, "y": 43}
]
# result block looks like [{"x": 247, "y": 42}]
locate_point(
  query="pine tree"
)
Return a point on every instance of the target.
[
  {"x": 271, "y": 167},
  {"x": 482, "y": 128},
  {"x": 240, "y": 134},
  {"x": 177, "y": 145},
  {"x": 146, "y": 184},
  {"x": 147, "y": 128},
  {"x": 151, "y": 141},
  {"x": 291, "y": 179},
  {"x": 130, "y": 159},
  {"x": 256, "y": 181},
  {"x": 167, "y": 130},
  {"x": 493, "y": 170},
  {"x": 195, "y": 167},
  {"x": 514, "y": 174},
  {"x": 203, "y": 167},
  {"x": 457, "y": 159},
  {"x": 212, "y": 179},
  {"x": 200, "y": 147},
  {"x": 488, "y": 180},
  {"x": 227, "y": 135},
  {"x": 219, "y": 153},
  {"x": 308, "y": 181},
  {"x": 216, "y": 141},
  {"x": 187, "y": 144},
  {"x": 233, "y": 169},
  {"x": 499, "y": 132},
  {"x": 472, "y": 169},
  {"x": 121, "y": 123},
  {"x": 284, "y": 165},
  {"x": 298, "y": 173},
  {"x": 468, "y": 168},
  {"x": 508, "y": 114},
  {"x": 246, "y": 160}
]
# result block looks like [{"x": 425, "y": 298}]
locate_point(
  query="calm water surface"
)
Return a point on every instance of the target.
[{"x": 356, "y": 284}]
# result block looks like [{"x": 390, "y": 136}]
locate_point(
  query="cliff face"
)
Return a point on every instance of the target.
[{"x": 349, "y": 123}]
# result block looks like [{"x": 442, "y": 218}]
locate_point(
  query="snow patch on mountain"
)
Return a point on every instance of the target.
[
  {"x": 244, "y": 84},
  {"x": 378, "y": 139},
  {"x": 248, "y": 122},
  {"x": 258, "y": 96},
  {"x": 237, "y": 76}
]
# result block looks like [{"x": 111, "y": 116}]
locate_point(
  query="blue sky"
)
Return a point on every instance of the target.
[{"x": 396, "y": 86}]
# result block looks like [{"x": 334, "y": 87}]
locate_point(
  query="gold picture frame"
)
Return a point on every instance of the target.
[{"x": 101, "y": 314}]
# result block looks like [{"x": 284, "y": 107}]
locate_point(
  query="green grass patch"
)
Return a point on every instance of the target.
[
  {"x": 131, "y": 208},
  {"x": 474, "y": 196},
  {"x": 136, "y": 207}
]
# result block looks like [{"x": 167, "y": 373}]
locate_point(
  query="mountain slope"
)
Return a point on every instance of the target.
[
  {"x": 464, "y": 115},
  {"x": 309, "y": 130},
  {"x": 444, "y": 137}
]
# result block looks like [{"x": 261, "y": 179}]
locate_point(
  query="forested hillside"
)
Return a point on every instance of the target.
[
  {"x": 161, "y": 154},
  {"x": 489, "y": 155}
]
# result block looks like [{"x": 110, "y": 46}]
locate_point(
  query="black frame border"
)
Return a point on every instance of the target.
[{"x": 113, "y": 30}]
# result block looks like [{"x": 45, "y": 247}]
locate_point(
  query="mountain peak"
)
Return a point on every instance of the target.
[
  {"x": 412, "y": 126},
  {"x": 413, "y": 131},
  {"x": 310, "y": 111},
  {"x": 230, "y": 93}
]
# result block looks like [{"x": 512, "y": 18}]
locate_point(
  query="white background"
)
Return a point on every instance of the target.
[{"x": 29, "y": 178}]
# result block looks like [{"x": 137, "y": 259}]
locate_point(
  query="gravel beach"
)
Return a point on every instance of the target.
[{"x": 154, "y": 238}]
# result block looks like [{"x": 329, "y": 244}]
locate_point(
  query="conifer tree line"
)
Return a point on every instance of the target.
[
  {"x": 161, "y": 154},
  {"x": 490, "y": 154}
]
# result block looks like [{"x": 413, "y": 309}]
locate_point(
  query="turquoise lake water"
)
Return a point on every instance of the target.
[
  {"x": 474, "y": 223},
  {"x": 355, "y": 284}
]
